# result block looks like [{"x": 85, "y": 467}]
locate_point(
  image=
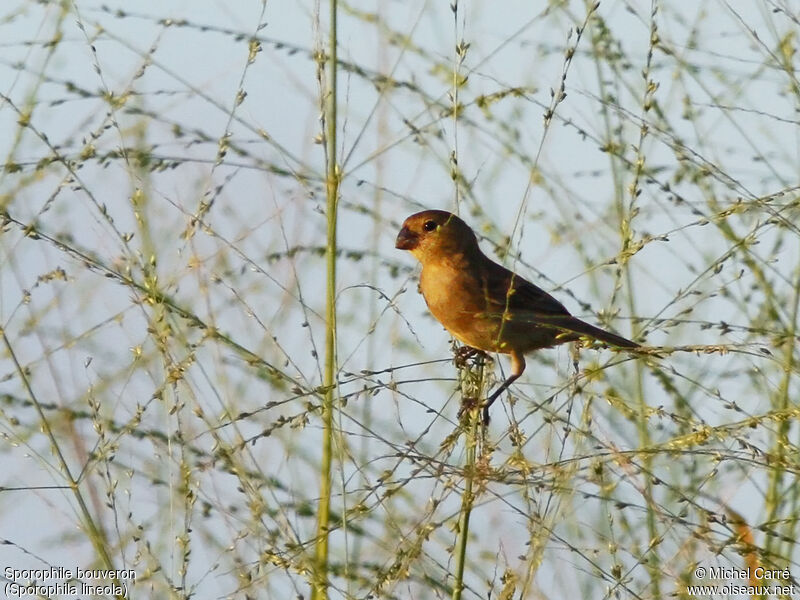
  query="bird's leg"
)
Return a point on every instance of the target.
[{"x": 517, "y": 368}]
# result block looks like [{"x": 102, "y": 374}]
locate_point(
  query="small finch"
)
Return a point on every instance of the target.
[{"x": 481, "y": 303}]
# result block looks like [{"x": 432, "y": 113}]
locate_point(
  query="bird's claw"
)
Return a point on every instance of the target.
[
  {"x": 467, "y": 404},
  {"x": 464, "y": 353}
]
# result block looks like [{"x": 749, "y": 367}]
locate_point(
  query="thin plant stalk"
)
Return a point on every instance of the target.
[
  {"x": 95, "y": 532},
  {"x": 320, "y": 585},
  {"x": 467, "y": 500},
  {"x": 472, "y": 386},
  {"x": 775, "y": 494}
]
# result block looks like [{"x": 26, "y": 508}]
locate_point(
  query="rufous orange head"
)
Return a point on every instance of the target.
[{"x": 433, "y": 233}]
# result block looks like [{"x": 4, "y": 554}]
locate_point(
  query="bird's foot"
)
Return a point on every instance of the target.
[
  {"x": 464, "y": 353},
  {"x": 468, "y": 404}
]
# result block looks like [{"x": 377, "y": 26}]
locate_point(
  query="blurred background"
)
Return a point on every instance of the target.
[{"x": 163, "y": 280}]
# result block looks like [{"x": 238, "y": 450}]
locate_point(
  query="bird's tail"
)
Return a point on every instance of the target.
[{"x": 582, "y": 328}]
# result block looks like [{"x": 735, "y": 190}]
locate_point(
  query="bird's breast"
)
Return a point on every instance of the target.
[{"x": 455, "y": 296}]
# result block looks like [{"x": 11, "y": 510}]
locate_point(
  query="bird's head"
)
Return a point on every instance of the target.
[{"x": 433, "y": 234}]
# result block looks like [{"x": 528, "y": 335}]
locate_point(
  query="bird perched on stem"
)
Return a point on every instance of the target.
[{"x": 481, "y": 303}]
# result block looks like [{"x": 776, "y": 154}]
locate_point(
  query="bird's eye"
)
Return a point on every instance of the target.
[{"x": 429, "y": 225}]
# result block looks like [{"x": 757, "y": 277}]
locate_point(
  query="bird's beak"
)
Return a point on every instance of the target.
[{"x": 406, "y": 239}]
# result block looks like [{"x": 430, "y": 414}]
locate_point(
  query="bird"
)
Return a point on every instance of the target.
[{"x": 484, "y": 305}]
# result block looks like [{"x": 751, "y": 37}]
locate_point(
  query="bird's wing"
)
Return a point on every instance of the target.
[{"x": 508, "y": 292}]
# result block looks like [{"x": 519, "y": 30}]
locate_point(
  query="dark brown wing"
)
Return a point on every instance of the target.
[{"x": 508, "y": 293}]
